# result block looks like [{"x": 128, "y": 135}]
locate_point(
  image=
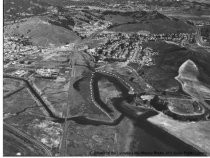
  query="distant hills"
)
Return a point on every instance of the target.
[
  {"x": 14, "y": 9},
  {"x": 200, "y": 1},
  {"x": 153, "y": 22},
  {"x": 55, "y": 23}
]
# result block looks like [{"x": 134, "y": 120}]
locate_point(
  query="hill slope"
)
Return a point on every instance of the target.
[
  {"x": 42, "y": 33},
  {"x": 167, "y": 63},
  {"x": 153, "y": 22}
]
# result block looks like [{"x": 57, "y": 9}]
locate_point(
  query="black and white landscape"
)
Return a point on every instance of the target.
[{"x": 106, "y": 78}]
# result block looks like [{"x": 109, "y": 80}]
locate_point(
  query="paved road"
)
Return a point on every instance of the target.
[
  {"x": 66, "y": 110},
  {"x": 37, "y": 143}
]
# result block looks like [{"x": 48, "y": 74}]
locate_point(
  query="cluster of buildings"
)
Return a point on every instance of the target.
[
  {"x": 118, "y": 46},
  {"x": 145, "y": 35},
  {"x": 128, "y": 47},
  {"x": 85, "y": 29},
  {"x": 124, "y": 47},
  {"x": 44, "y": 73},
  {"x": 19, "y": 57},
  {"x": 175, "y": 37},
  {"x": 11, "y": 50},
  {"x": 201, "y": 22},
  {"x": 145, "y": 58},
  {"x": 47, "y": 73},
  {"x": 17, "y": 48},
  {"x": 20, "y": 73}
]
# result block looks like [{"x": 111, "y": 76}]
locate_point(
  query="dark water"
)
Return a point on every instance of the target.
[
  {"x": 152, "y": 140},
  {"x": 148, "y": 139}
]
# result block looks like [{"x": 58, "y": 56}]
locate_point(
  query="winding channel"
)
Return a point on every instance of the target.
[
  {"x": 142, "y": 126},
  {"x": 78, "y": 119},
  {"x": 128, "y": 93}
]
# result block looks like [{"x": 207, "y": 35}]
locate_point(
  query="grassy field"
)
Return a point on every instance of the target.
[
  {"x": 87, "y": 140},
  {"x": 10, "y": 85},
  {"x": 56, "y": 93},
  {"x": 107, "y": 91},
  {"x": 87, "y": 108},
  {"x": 153, "y": 22},
  {"x": 155, "y": 26},
  {"x": 19, "y": 102},
  {"x": 183, "y": 106}
]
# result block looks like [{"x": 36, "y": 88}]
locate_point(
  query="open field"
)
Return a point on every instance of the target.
[
  {"x": 11, "y": 85},
  {"x": 19, "y": 102},
  {"x": 88, "y": 140},
  {"x": 56, "y": 93},
  {"x": 153, "y": 27},
  {"x": 88, "y": 108},
  {"x": 185, "y": 107}
]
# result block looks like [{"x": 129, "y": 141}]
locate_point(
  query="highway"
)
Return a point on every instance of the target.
[
  {"x": 29, "y": 138},
  {"x": 66, "y": 110},
  {"x": 72, "y": 75}
]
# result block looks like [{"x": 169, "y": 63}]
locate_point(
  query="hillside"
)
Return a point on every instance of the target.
[
  {"x": 167, "y": 63},
  {"x": 200, "y": 1},
  {"x": 153, "y": 22},
  {"x": 41, "y": 32}
]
